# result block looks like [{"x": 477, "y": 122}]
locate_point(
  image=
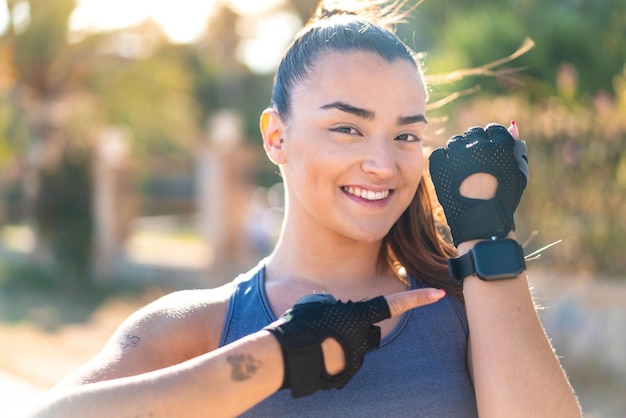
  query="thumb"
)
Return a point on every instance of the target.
[{"x": 410, "y": 299}]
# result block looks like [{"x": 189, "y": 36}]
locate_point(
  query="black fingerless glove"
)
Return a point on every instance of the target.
[
  {"x": 301, "y": 330},
  {"x": 494, "y": 151}
]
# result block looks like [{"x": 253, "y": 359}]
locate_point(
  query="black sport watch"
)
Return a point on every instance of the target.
[{"x": 489, "y": 260}]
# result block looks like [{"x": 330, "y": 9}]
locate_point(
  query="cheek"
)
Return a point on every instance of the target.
[
  {"x": 415, "y": 182},
  {"x": 315, "y": 156},
  {"x": 308, "y": 164},
  {"x": 412, "y": 166}
]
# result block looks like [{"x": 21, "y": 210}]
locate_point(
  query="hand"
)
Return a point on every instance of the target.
[
  {"x": 465, "y": 175},
  {"x": 316, "y": 318}
]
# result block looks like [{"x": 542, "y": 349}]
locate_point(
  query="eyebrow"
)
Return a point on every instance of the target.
[
  {"x": 407, "y": 120},
  {"x": 370, "y": 115},
  {"x": 345, "y": 107}
]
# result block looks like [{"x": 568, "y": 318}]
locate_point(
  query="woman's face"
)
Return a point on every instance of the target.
[{"x": 352, "y": 149}]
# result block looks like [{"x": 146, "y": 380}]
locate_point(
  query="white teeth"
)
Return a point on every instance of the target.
[{"x": 367, "y": 194}]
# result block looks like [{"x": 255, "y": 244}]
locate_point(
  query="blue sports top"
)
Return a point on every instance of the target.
[{"x": 420, "y": 369}]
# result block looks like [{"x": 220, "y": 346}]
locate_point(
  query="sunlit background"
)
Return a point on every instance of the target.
[
  {"x": 131, "y": 165},
  {"x": 265, "y": 29}
]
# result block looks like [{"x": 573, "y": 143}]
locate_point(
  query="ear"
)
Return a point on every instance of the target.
[{"x": 272, "y": 130}]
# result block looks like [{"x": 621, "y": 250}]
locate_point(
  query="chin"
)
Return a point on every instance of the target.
[{"x": 370, "y": 238}]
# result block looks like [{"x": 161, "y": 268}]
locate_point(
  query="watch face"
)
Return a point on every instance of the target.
[{"x": 499, "y": 259}]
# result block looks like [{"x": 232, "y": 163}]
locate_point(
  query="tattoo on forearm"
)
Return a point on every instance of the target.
[
  {"x": 243, "y": 366},
  {"x": 129, "y": 341}
]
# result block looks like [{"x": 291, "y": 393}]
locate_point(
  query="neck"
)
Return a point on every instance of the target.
[
  {"x": 321, "y": 262},
  {"x": 326, "y": 262}
]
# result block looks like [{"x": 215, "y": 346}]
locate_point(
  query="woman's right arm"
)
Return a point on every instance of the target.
[
  {"x": 223, "y": 382},
  {"x": 164, "y": 360}
]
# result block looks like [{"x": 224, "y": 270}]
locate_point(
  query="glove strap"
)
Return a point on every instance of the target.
[
  {"x": 305, "y": 371},
  {"x": 485, "y": 220},
  {"x": 302, "y": 369}
]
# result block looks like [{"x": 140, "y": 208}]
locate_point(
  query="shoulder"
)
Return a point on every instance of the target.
[
  {"x": 172, "y": 329},
  {"x": 189, "y": 319},
  {"x": 450, "y": 308}
]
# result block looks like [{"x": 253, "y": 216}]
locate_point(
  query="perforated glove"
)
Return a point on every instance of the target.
[
  {"x": 301, "y": 330},
  {"x": 494, "y": 151}
]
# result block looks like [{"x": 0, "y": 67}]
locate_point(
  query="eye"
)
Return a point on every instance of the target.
[
  {"x": 408, "y": 138},
  {"x": 348, "y": 130}
]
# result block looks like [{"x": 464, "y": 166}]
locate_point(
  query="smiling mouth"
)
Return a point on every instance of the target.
[{"x": 366, "y": 194}]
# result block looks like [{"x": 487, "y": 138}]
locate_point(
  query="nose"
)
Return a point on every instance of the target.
[{"x": 379, "y": 159}]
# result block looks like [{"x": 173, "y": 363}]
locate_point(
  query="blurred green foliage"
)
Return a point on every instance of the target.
[
  {"x": 569, "y": 99},
  {"x": 31, "y": 294},
  {"x": 63, "y": 216},
  {"x": 577, "y": 188},
  {"x": 587, "y": 34},
  {"x": 568, "y": 95}
]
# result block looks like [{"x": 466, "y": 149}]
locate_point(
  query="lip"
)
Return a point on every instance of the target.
[{"x": 369, "y": 196}]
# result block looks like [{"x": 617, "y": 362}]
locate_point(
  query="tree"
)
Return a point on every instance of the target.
[{"x": 61, "y": 94}]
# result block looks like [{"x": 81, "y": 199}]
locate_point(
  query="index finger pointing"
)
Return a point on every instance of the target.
[{"x": 410, "y": 299}]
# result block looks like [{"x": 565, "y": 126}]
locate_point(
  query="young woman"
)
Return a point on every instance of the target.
[{"x": 348, "y": 111}]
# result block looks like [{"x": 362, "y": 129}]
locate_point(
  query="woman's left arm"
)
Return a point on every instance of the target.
[{"x": 515, "y": 370}]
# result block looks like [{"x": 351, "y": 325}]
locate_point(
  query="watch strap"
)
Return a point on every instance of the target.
[{"x": 460, "y": 268}]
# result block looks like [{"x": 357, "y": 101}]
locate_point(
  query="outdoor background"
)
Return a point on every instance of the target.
[{"x": 131, "y": 163}]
